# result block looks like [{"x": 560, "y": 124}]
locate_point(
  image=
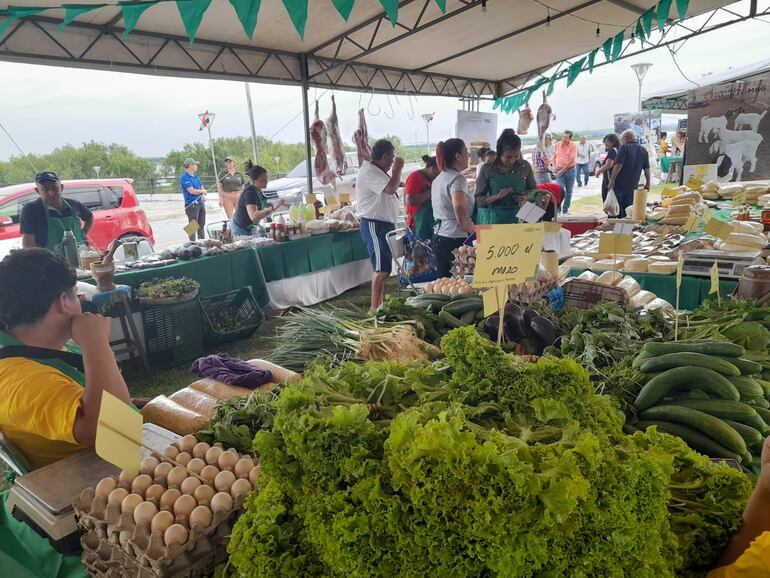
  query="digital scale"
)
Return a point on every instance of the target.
[
  {"x": 43, "y": 498},
  {"x": 730, "y": 265}
]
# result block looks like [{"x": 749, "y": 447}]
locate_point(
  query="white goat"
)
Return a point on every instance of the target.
[
  {"x": 739, "y": 153},
  {"x": 749, "y": 119},
  {"x": 709, "y": 124},
  {"x": 731, "y": 136}
]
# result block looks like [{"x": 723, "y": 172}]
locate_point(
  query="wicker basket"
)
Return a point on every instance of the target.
[
  {"x": 582, "y": 294},
  {"x": 169, "y": 300}
]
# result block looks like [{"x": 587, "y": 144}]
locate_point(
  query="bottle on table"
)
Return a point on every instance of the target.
[{"x": 70, "y": 248}]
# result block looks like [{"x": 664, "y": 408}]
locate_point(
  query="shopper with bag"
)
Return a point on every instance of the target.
[
  {"x": 632, "y": 159},
  {"x": 611, "y": 144}
]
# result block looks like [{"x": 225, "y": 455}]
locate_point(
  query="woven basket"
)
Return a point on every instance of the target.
[{"x": 169, "y": 300}]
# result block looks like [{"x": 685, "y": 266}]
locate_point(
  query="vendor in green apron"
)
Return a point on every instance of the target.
[
  {"x": 43, "y": 222},
  {"x": 419, "y": 210},
  {"x": 503, "y": 187}
]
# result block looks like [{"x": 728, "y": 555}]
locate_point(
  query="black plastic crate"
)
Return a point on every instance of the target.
[
  {"x": 173, "y": 334},
  {"x": 235, "y": 305}
]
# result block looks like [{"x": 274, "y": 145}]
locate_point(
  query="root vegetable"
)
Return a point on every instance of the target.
[
  {"x": 145, "y": 512},
  {"x": 162, "y": 522},
  {"x": 175, "y": 534},
  {"x": 224, "y": 481},
  {"x": 200, "y": 517},
  {"x": 105, "y": 487}
]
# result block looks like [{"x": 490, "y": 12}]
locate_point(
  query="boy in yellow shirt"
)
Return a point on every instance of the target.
[{"x": 49, "y": 394}]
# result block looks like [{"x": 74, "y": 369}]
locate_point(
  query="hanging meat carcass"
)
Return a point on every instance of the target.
[
  {"x": 543, "y": 119},
  {"x": 361, "y": 139},
  {"x": 525, "y": 119},
  {"x": 335, "y": 142},
  {"x": 319, "y": 136}
]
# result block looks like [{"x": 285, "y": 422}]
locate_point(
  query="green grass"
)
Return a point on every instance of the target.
[{"x": 592, "y": 205}]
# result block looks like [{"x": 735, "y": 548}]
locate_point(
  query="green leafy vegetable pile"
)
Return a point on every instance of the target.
[
  {"x": 476, "y": 465},
  {"x": 168, "y": 288},
  {"x": 236, "y": 420}
]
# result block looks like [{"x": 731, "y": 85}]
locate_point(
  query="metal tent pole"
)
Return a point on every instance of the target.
[
  {"x": 306, "y": 120},
  {"x": 254, "y": 148}
]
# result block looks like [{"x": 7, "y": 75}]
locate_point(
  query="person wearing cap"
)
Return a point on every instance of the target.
[
  {"x": 194, "y": 197},
  {"x": 229, "y": 185},
  {"x": 44, "y": 221}
]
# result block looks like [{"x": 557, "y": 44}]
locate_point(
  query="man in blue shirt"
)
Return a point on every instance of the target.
[
  {"x": 194, "y": 197},
  {"x": 632, "y": 159}
]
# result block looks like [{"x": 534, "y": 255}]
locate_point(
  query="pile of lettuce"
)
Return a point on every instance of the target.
[{"x": 479, "y": 465}]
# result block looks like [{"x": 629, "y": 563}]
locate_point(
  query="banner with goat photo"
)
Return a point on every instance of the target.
[{"x": 728, "y": 125}]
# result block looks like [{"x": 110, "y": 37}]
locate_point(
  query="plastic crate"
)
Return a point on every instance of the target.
[
  {"x": 173, "y": 334},
  {"x": 239, "y": 304}
]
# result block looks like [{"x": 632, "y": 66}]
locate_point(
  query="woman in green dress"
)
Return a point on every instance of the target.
[{"x": 503, "y": 187}]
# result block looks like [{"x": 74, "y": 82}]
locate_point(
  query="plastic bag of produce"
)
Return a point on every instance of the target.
[
  {"x": 219, "y": 390},
  {"x": 195, "y": 400},
  {"x": 611, "y": 205},
  {"x": 419, "y": 265},
  {"x": 169, "y": 414}
]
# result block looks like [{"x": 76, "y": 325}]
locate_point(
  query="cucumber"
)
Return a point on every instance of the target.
[
  {"x": 686, "y": 358},
  {"x": 764, "y": 414},
  {"x": 765, "y": 385},
  {"x": 758, "y": 422},
  {"x": 685, "y": 378},
  {"x": 629, "y": 429},
  {"x": 432, "y": 296},
  {"x": 752, "y": 437},
  {"x": 760, "y": 402},
  {"x": 461, "y": 306},
  {"x": 709, "y": 425},
  {"x": 721, "y": 408},
  {"x": 468, "y": 317},
  {"x": 641, "y": 358},
  {"x": 747, "y": 387},
  {"x": 451, "y": 321},
  {"x": 693, "y": 438},
  {"x": 724, "y": 348},
  {"x": 747, "y": 367},
  {"x": 432, "y": 305}
]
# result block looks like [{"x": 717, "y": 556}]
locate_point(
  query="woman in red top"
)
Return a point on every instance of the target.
[{"x": 419, "y": 211}]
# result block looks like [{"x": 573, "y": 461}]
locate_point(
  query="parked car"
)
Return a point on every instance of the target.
[
  {"x": 294, "y": 184},
  {"x": 597, "y": 158},
  {"x": 113, "y": 202}
]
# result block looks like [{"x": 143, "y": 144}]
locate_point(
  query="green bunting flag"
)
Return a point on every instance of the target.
[
  {"x": 16, "y": 12},
  {"x": 664, "y": 7},
  {"x": 640, "y": 31},
  {"x": 551, "y": 86},
  {"x": 72, "y": 11},
  {"x": 647, "y": 21},
  {"x": 297, "y": 10},
  {"x": 441, "y": 5},
  {"x": 617, "y": 45},
  {"x": 574, "y": 71},
  {"x": 391, "y": 9},
  {"x": 132, "y": 12},
  {"x": 192, "y": 12},
  {"x": 247, "y": 12},
  {"x": 607, "y": 47},
  {"x": 681, "y": 8},
  {"x": 344, "y": 7},
  {"x": 591, "y": 58}
]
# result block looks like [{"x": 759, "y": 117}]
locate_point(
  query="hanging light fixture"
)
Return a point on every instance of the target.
[
  {"x": 483, "y": 7},
  {"x": 633, "y": 38},
  {"x": 598, "y": 31},
  {"x": 548, "y": 16}
]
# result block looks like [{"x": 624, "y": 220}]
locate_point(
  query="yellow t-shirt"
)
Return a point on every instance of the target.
[
  {"x": 38, "y": 406},
  {"x": 753, "y": 563}
]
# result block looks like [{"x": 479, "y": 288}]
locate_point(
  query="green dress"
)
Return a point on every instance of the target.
[{"x": 493, "y": 179}]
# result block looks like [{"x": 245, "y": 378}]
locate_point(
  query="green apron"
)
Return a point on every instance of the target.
[
  {"x": 503, "y": 212},
  {"x": 424, "y": 222},
  {"x": 56, "y": 228}
]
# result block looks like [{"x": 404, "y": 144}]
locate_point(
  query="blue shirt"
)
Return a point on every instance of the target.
[
  {"x": 634, "y": 159},
  {"x": 186, "y": 181}
]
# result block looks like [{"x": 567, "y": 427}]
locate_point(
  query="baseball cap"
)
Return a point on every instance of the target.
[
  {"x": 188, "y": 162},
  {"x": 46, "y": 176},
  {"x": 228, "y": 158}
]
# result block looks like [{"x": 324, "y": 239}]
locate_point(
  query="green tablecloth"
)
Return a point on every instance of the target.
[
  {"x": 303, "y": 256},
  {"x": 24, "y": 554},
  {"x": 217, "y": 274},
  {"x": 693, "y": 291}
]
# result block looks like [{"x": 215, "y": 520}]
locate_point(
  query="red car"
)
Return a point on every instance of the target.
[{"x": 113, "y": 202}]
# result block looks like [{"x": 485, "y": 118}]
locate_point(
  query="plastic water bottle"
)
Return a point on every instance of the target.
[{"x": 70, "y": 248}]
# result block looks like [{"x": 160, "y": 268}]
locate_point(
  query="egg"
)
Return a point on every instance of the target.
[
  {"x": 200, "y": 517},
  {"x": 148, "y": 465},
  {"x": 154, "y": 493},
  {"x": 222, "y": 502},
  {"x": 140, "y": 484},
  {"x": 183, "y": 458},
  {"x": 125, "y": 480},
  {"x": 212, "y": 455},
  {"x": 240, "y": 487},
  {"x": 224, "y": 481},
  {"x": 254, "y": 475},
  {"x": 243, "y": 467},
  {"x": 161, "y": 522},
  {"x": 203, "y": 494},
  {"x": 196, "y": 465},
  {"x": 199, "y": 451},
  {"x": 184, "y": 505},
  {"x": 169, "y": 498},
  {"x": 105, "y": 487},
  {"x": 145, "y": 512},
  {"x": 175, "y": 534},
  {"x": 188, "y": 486},
  {"x": 130, "y": 502},
  {"x": 161, "y": 472},
  {"x": 187, "y": 443},
  {"x": 209, "y": 473},
  {"x": 116, "y": 496},
  {"x": 176, "y": 476},
  {"x": 171, "y": 452},
  {"x": 227, "y": 461}
]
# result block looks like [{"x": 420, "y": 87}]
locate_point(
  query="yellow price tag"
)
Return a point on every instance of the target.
[
  {"x": 707, "y": 217},
  {"x": 323, "y": 210},
  {"x": 692, "y": 223},
  {"x": 344, "y": 198},
  {"x": 718, "y": 229},
  {"x": 714, "y": 279},
  {"x": 670, "y": 192},
  {"x": 615, "y": 244},
  {"x": 330, "y": 200},
  {"x": 694, "y": 183},
  {"x": 119, "y": 434},
  {"x": 551, "y": 227},
  {"x": 507, "y": 254},
  {"x": 739, "y": 198},
  {"x": 494, "y": 299},
  {"x": 191, "y": 228},
  {"x": 679, "y": 267},
  {"x": 310, "y": 199}
]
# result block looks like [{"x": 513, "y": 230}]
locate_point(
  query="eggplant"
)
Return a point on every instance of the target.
[
  {"x": 517, "y": 328},
  {"x": 529, "y": 315},
  {"x": 491, "y": 325},
  {"x": 543, "y": 330}
]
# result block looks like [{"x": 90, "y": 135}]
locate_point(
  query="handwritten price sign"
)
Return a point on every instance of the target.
[{"x": 507, "y": 254}]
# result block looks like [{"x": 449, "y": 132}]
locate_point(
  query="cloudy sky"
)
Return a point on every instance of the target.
[{"x": 45, "y": 107}]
